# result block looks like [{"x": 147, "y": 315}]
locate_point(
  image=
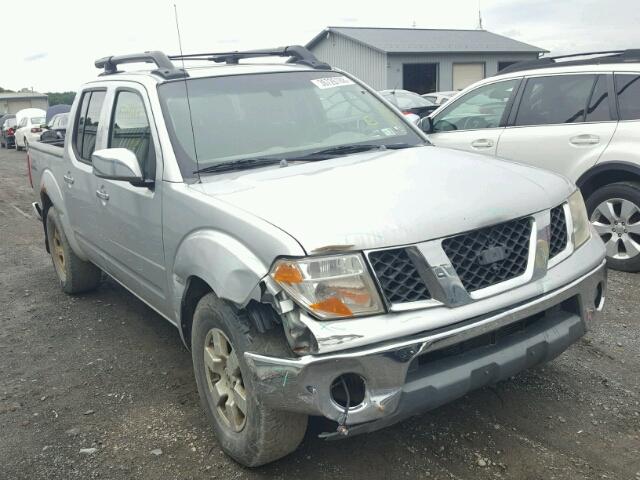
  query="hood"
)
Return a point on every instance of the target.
[{"x": 387, "y": 198}]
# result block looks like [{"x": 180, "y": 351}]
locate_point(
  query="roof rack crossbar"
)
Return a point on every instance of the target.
[
  {"x": 604, "y": 57},
  {"x": 165, "y": 68},
  {"x": 296, "y": 53}
]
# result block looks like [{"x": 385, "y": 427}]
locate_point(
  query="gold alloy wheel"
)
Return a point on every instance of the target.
[
  {"x": 57, "y": 252},
  {"x": 224, "y": 380}
]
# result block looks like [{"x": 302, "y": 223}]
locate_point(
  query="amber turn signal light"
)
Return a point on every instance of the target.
[{"x": 287, "y": 273}]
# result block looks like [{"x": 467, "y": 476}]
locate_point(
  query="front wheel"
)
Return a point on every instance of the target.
[
  {"x": 247, "y": 430},
  {"x": 614, "y": 211}
]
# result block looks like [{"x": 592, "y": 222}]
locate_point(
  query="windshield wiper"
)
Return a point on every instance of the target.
[
  {"x": 348, "y": 150},
  {"x": 241, "y": 164},
  {"x": 255, "y": 162}
]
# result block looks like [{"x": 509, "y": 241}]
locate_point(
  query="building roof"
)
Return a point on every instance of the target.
[
  {"x": 422, "y": 40},
  {"x": 21, "y": 95}
]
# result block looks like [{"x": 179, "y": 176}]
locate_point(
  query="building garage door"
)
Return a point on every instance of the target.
[{"x": 464, "y": 74}]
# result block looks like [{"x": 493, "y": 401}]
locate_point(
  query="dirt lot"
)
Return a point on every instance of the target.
[{"x": 103, "y": 371}]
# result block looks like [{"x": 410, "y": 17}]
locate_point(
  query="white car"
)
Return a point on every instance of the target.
[
  {"x": 440, "y": 98},
  {"x": 580, "y": 118},
  {"x": 29, "y": 128}
]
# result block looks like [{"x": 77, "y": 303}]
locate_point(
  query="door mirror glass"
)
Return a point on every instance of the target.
[
  {"x": 426, "y": 125},
  {"x": 478, "y": 109},
  {"x": 116, "y": 164}
]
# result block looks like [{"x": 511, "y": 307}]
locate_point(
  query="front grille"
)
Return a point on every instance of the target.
[
  {"x": 464, "y": 252},
  {"x": 398, "y": 276},
  {"x": 558, "y": 235}
]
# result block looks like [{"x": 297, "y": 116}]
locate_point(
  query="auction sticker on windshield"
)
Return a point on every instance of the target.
[{"x": 331, "y": 82}]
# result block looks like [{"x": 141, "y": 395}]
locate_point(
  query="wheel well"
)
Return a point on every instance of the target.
[
  {"x": 196, "y": 289},
  {"x": 46, "y": 205},
  {"x": 590, "y": 182}
]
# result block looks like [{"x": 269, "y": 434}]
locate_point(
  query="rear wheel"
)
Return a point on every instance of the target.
[
  {"x": 247, "y": 430},
  {"x": 614, "y": 211},
  {"x": 75, "y": 275},
  {"x": 17, "y": 145}
]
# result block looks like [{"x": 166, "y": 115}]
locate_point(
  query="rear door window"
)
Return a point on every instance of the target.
[
  {"x": 88, "y": 123},
  {"x": 628, "y": 93},
  {"x": 555, "y": 100}
]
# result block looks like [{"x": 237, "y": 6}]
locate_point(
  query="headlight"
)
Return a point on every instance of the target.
[
  {"x": 338, "y": 286},
  {"x": 581, "y": 227}
]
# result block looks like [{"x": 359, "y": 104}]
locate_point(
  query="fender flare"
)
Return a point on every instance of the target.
[
  {"x": 50, "y": 187},
  {"x": 600, "y": 168},
  {"x": 227, "y": 265}
]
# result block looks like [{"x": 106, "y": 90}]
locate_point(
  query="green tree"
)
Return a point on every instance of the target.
[{"x": 57, "y": 98}]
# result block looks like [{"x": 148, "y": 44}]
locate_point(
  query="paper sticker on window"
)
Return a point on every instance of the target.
[{"x": 331, "y": 82}]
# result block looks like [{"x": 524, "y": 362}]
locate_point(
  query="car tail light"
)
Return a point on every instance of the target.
[
  {"x": 36, "y": 130},
  {"x": 407, "y": 112},
  {"x": 10, "y": 132},
  {"x": 29, "y": 169}
]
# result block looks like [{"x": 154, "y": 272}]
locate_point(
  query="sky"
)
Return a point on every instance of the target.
[{"x": 54, "y": 48}]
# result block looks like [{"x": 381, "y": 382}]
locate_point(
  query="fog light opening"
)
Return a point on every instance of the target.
[
  {"x": 598, "y": 300},
  {"x": 348, "y": 388}
]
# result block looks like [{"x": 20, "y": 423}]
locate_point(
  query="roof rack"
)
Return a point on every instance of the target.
[
  {"x": 296, "y": 53},
  {"x": 166, "y": 68},
  {"x": 611, "y": 56}
]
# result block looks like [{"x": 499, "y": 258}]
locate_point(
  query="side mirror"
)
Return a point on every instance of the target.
[
  {"x": 117, "y": 164},
  {"x": 426, "y": 125},
  {"x": 413, "y": 118}
]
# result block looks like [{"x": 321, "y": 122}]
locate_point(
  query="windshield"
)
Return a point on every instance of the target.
[
  {"x": 274, "y": 114},
  {"x": 37, "y": 120}
]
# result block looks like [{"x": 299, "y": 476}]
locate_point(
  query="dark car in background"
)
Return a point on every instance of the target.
[
  {"x": 56, "y": 129},
  {"x": 7, "y": 131},
  {"x": 409, "y": 102}
]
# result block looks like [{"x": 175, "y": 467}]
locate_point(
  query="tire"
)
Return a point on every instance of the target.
[
  {"x": 75, "y": 275},
  {"x": 614, "y": 211},
  {"x": 18, "y": 147},
  {"x": 266, "y": 434}
]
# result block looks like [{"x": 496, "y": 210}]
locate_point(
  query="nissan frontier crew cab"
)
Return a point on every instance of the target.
[{"x": 317, "y": 255}]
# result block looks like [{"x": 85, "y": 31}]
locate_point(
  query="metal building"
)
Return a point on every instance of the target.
[
  {"x": 420, "y": 60},
  {"x": 14, "y": 102}
]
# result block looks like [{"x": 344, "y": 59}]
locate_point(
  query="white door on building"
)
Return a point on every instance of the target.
[{"x": 464, "y": 74}]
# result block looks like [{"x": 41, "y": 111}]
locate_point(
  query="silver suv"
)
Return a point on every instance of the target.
[
  {"x": 577, "y": 117},
  {"x": 316, "y": 254}
]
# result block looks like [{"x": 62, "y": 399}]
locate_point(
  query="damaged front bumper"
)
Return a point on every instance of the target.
[{"x": 420, "y": 372}]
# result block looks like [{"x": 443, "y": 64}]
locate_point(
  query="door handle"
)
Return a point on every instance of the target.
[
  {"x": 482, "y": 143},
  {"x": 102, "y": 195},
  {"x": 585, "y": 139},
  {"x": 69, "y": 179}
]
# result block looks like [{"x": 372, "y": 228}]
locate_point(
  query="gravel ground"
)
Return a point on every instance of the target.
[{"x": 103, "y": 372}]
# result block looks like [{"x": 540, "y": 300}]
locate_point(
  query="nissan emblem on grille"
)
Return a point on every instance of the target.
[{"x": 492, "y": 255}]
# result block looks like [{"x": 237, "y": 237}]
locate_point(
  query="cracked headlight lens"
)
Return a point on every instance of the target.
[
  {"x": 331, "y": 287},
  {"x": 580, "y": 220}
]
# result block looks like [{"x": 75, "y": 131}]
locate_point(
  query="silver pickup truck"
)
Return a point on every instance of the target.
[{"x": 317, "y": 255}]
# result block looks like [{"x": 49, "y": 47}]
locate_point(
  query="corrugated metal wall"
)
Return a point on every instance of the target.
[
  {"x": 14, "y": 106},
  {"x": 367, "y": 64}
]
